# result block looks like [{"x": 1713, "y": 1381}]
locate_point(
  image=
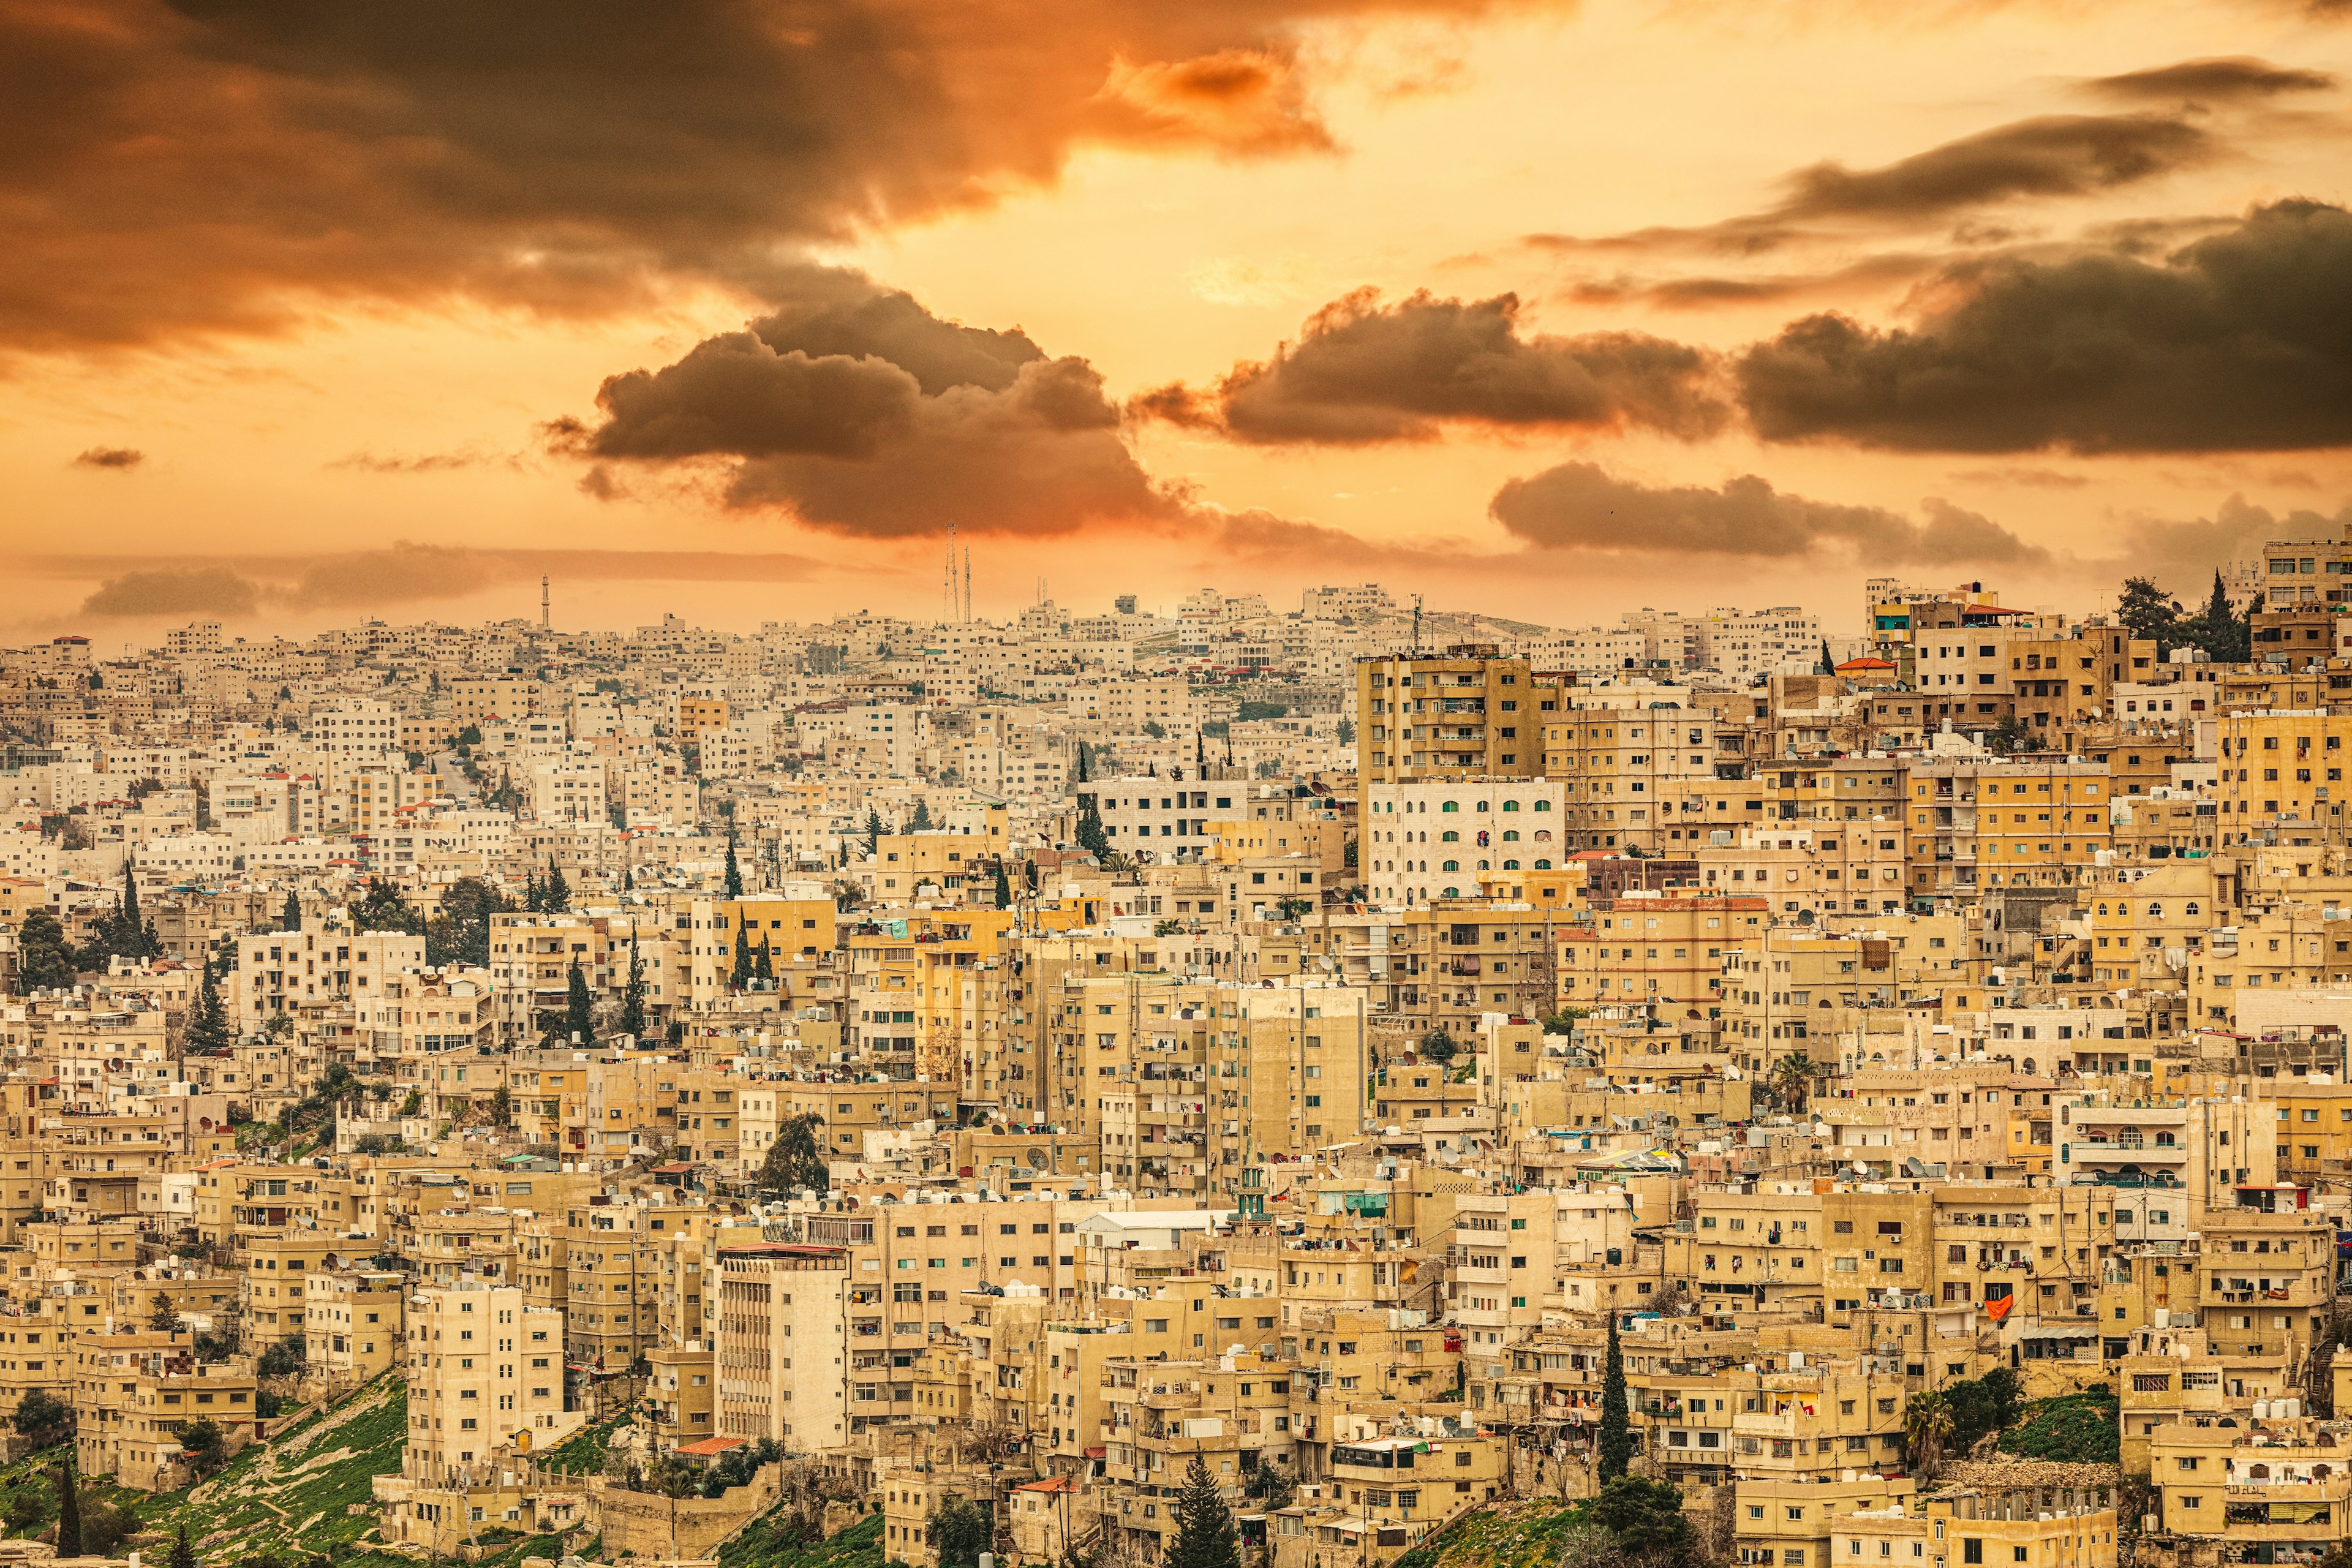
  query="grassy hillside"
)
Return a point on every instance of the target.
[
  {"x": 1526, "y": 1535},
  {"x": 767, "y": 1542},
  {"x": 293, "y": 1497}
]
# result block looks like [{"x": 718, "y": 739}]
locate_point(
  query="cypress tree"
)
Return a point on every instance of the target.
[
  {"x": 734, "y": 870},
  {"x": 579, "y": 1012},
  {"x": 1204, "y": 1525},
  {"x": 182, "y": 1552},
  {"x": 763, "y": 967},
  {"x": 1003, "y": 887},
  {"x": 633, "y": 997},
  {"x": 1616, "y": 1452},
  {"x": 742, "y": 975},
  {"x": 292, "y": 920},
  {"x": 69, "y": 1511},
  {"x": 557, "y": 891},
  {"x": 873, "y": 831}
]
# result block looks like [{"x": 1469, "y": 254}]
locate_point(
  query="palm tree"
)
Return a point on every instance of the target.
[
  {"x": 1788, "y": 1084},
  {"x": 1926, "y": 1423}
]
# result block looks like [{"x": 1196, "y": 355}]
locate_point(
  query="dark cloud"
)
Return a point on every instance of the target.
[
  {"x": 1243, "y": 102},
  {"x": 2220, "y": 80},
  {"x": 2239, "y": 341},
  {"x": 1364, "y": 371},
  {"x": 1579, "y": 507},
  {"x": 857, "y": 411},
  {"x": 192, "y": 591},
  {"x": 175, "y": 166},
  {"x": 119, "y": 458},
  {"x": 1712, "y": 292},
  {"x": 2050, "y": 155}
]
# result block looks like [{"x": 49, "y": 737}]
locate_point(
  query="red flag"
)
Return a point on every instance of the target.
[{"x": 1998, "y": 1308}]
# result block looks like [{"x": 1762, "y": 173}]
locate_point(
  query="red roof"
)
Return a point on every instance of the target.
[
  {"x": 1865, "y": 664},
  {"x": 710, "y": 1447}
]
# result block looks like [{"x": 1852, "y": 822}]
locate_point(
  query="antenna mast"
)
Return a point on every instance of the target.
[{"x": 545, "y": 612}]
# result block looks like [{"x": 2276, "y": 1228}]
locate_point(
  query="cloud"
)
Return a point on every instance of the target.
[
  {"x": 1581, "y": 507},
  {"x": 224, "y": 166},
  {"x": 1364, "y": 371},
  {"x": 2047, "y": 156},
  {"x": 2242, "y": 340},
  {"x": 119, "y": 458},
  {"x": 2181, "y": 556},
  {"x": 429, "y": 462},
  {"x": 1245, "y": 101},
  {"x": 191, "y": 591},
  {"x": 2024, "y": 477},
  {"x": 1709, "y": 292},
  {"x": 2218, "y": 79},
  {"x": 857, "y": 411}
]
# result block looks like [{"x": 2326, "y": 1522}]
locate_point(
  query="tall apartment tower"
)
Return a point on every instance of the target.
[{"x": 1469, "y": 712}]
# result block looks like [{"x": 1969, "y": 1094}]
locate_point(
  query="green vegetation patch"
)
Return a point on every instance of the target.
[{"x": 2080, "y": 1428}]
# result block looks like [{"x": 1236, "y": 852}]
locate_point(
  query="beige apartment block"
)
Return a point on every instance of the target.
[{"x": 484, "y": 1375}]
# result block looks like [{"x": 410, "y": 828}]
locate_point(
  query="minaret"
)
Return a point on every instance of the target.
[{"x": 545, "y": 622}]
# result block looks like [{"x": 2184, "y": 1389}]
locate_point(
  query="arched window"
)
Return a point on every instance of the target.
[
  {"x": 2192, "y": 909},
  {"x": 1449, "y": 837},
  {"x": 1543, "y": 834},
  {"x": 1510, "y": 806},
  {"x": 1511, "y": 836},
  {"x": 1451, "y": 866},
  {"x": 1543, "y": 805},
  {"x": 1452, "y": 893},
  {"x": 2156, "y": 911},
  {"x": 1543, "y": 865},
  {"x": 1482, "y": 806},
  {"x": 1451, "y": 805},
  {"x": 2103, "y": 909},
  {"x": 1511, "y": 865}
]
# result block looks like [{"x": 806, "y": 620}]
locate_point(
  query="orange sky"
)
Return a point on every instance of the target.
[{"x": 325, "y": 340}]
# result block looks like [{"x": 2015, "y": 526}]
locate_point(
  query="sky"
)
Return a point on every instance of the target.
[{"x": 734, "y": 308}]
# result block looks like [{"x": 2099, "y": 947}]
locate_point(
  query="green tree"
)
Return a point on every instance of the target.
[
  {"x": 41, "y": 1413},
  {"x": 579, "y": 1007},
  {"x": 960, "y": 1530},
  {"x": 633, "y": 995},
  {"x": 873, "y": 831},
  {"x": 1003, "y": 887},
  {"x": 1927, "y": 1426},
  {"x": 734, "y": 870},
  {"x": 922, "y": 819},
  {"x": 1791, "y": 1077},
  {"x": 45, "y": 960},
  {"x": 1091, "y": 836},
  {"x": 1616, "y": 1451},
  {"x": 1647, "y": 1520},
  {"x": 163, "y": 1316},
  {"x": 1828, "y": 664},
  {"x": 460, "y": 933},
  {"x": 205, "y": 1447},
  {"x": 69, "y": 1511},
  {"x": 182, "y": 1552},
  {"x": 2147, "y": 612},
  {"x": 290, "y": 917},
  {"x": 2215, "y": 627},
  {"x": 763, "y": 965},
  {"x": 385, "y": 908},
  {"x": 796, "y": 1159},
  {"x": 741, "y": 977},
  {"x": 1437, "y": 1045},
  {"x": 1206, "y": 1537},
  {"x": 555, "y": 891},
  {"x": 209, "y": 1027}
]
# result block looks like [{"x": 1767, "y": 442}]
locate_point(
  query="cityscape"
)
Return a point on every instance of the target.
[{"x": 1040, "y": 783}]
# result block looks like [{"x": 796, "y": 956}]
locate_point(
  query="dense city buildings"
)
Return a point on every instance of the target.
[{"x": 905, "y": 1064}]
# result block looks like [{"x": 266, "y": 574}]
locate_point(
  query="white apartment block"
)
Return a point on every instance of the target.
[
  {"x": 1435, "y": 840},
  {"x": 1745, "y": 644},
  {"x": 482, "y": 1367},
  {"x": 1163, "y": 819},
  {"x": 570, "y": 789},
  {"x": 357, "y": 729}
]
